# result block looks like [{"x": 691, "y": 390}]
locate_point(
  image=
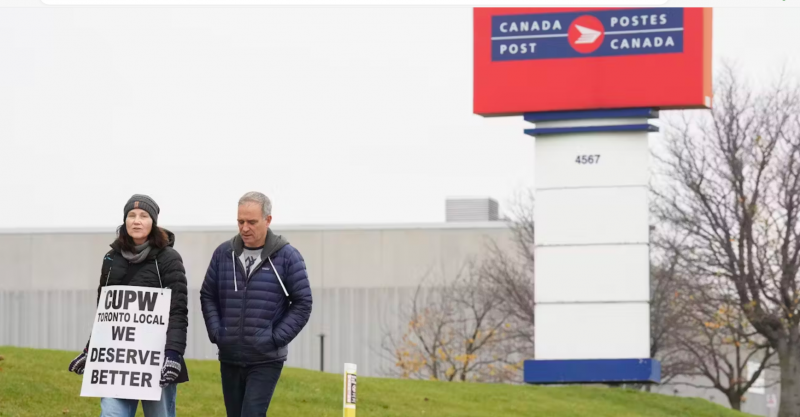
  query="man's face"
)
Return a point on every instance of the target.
[{"x": 252, "y": 225}]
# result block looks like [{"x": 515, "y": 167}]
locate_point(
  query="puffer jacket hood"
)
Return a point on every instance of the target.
[{"x": 272, "y": 244}]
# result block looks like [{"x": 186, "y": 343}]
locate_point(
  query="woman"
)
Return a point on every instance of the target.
[{"x": 142, "y": 255}]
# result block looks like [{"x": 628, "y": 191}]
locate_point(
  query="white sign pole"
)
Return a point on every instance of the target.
[
  {"x": 126, "y": 350},
  {"x": 592, "y": 242}
]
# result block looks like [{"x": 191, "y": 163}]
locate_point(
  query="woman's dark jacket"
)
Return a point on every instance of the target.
[{"x": 144, "y": 274}]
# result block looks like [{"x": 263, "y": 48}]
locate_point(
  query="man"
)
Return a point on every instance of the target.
[{"x": 256, "y": 299}]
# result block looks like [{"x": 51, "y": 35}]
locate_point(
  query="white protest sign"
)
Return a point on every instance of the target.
[{"x": 126, "y": 350}]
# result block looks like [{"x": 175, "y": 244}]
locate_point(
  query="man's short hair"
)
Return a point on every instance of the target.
[{"x": 258, "y": 198}]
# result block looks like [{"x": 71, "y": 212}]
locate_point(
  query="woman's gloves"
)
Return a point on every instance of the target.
[
  {"x": 171, "y": 368},
  {"x": 79, "y": 363}
]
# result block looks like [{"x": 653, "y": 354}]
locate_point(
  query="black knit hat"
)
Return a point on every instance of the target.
[{"x": 141, "y": 201}]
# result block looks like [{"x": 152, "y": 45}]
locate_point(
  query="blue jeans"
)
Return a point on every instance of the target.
[{"x": 115, "y": 407}]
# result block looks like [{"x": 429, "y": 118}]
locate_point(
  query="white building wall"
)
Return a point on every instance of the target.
[{"x": 360, "y": 276}]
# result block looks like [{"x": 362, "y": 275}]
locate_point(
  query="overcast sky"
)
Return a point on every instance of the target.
[{"x": 340, "y": 115}]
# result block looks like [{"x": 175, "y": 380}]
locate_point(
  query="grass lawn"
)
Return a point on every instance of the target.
[{"x": 36, "y": 382}]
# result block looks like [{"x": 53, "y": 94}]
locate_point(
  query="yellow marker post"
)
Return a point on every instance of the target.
[{"x": 349, "y": 390}]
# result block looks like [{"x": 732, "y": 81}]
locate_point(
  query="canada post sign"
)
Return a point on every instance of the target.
[
  {"x": 562, "y": 59},
  {"x": 581, "y": 34}
]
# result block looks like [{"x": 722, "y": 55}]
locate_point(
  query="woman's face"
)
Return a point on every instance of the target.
[{"x": 138, "y": 223}]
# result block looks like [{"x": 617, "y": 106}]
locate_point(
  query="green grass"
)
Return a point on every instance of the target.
[{"x": 36, "y": 383}]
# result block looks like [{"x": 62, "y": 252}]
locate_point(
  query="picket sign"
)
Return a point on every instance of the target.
[{"x": 126, "y": 351}]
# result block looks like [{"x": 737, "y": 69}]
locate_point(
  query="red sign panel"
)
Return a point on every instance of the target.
[{"x": 557, "y": 59}]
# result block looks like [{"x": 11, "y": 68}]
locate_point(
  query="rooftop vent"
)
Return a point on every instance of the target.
[{"x": 472, "y": 210}]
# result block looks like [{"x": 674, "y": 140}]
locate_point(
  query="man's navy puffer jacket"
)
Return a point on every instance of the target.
[{"x": 252, "y": 320}]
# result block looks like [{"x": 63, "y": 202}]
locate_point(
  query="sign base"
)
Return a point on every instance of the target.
[{"x": 592, "y": 371}]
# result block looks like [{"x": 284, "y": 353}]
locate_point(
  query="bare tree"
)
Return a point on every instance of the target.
[
  {"x": 510, "y": 274},
  {"x": 667, "y": 318},
  {"x": 457, "y": 331},
  {"x": 721, "y": 352},
  {"x": 479, "y": 326},
  {"x": 732, "y": 190},
  {"x": 715, "y": 343}
]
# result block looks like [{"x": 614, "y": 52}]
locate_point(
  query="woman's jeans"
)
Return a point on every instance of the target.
[{"x": 115, "y": 407}]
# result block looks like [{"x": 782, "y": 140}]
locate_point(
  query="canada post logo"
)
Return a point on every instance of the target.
[{"x": 587, "y": 34}]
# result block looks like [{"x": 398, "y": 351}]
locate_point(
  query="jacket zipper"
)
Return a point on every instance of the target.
[
  {"x": 244, "y": 293},
  {"x": 244, "y": 301}
]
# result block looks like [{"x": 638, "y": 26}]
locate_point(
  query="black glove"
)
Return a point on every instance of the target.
[
  {"x": 79, "y": 363},
  {"x": 171, "y": 368}
]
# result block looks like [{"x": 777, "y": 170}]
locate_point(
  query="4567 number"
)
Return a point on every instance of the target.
[{"x": 587, "y": 159}]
